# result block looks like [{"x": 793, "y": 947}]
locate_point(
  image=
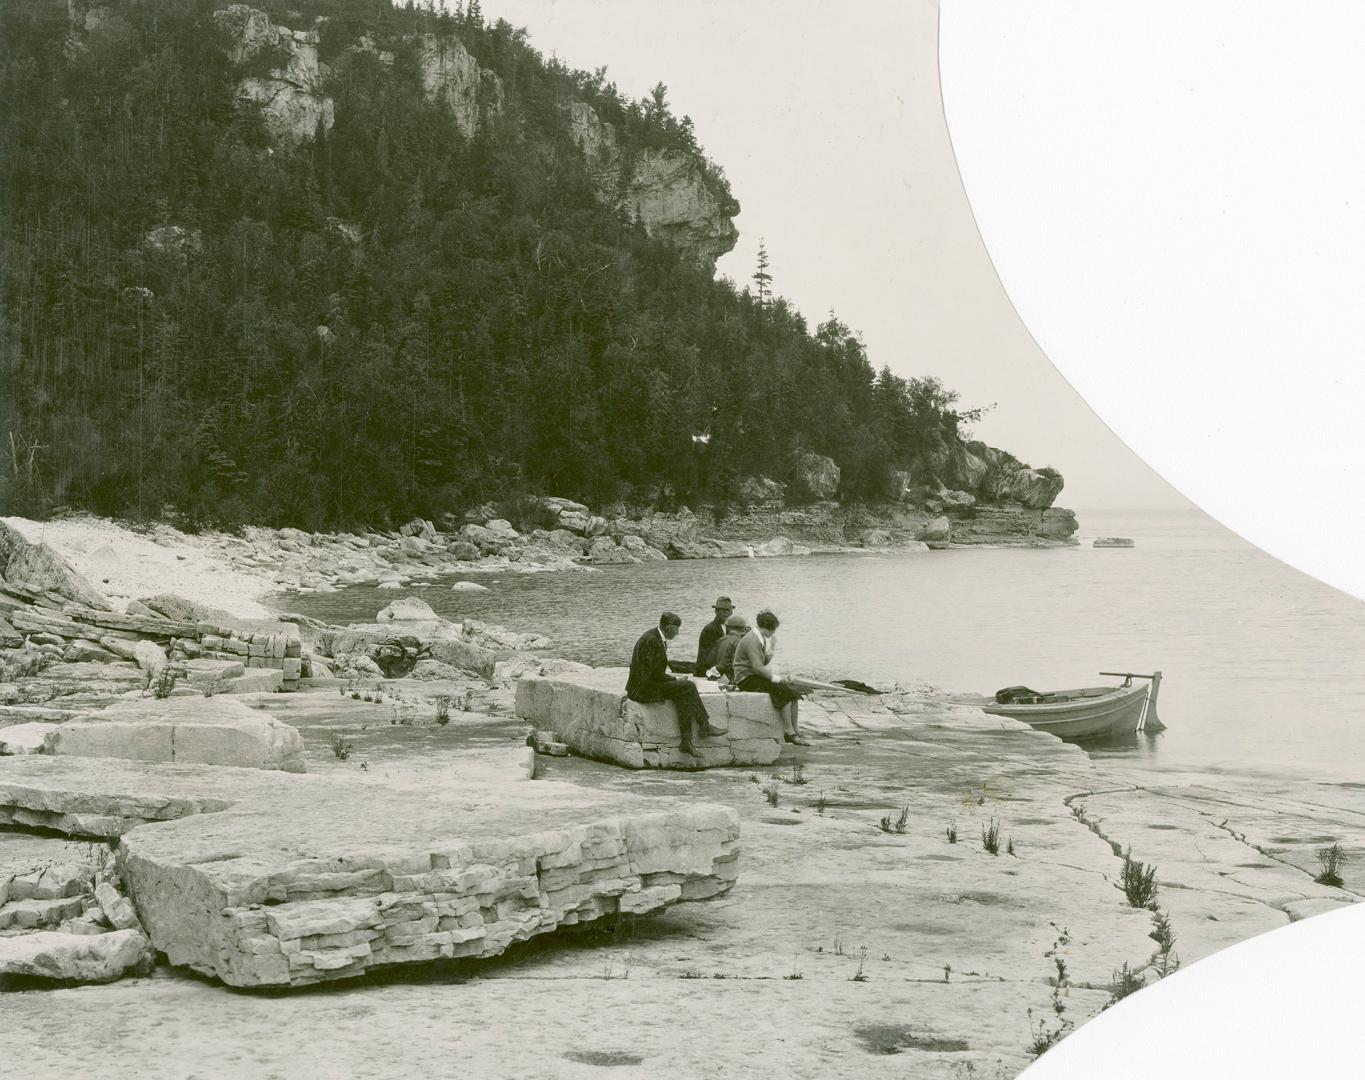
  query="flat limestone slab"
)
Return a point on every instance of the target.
[
  {"x": 186, "y": 730},
  {"x": 589, "y": 711},
  {"x": 272, "y": 879},
  {"x": 77, "y": 958}
]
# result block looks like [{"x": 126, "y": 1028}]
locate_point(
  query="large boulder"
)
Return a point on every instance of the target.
[
  {"x": 606, "y": 552},
  {"x": 184, "y": 730},
  {"x": 1034, "y": 488},
  {"x": 760, "y": 491},
  {"x": 408, "y": 609},
  {"x": 264, "y": 879},
  {"x": 940, "y": 529},
  {"x": 75, "y": 958},
  {"x": 815, "y": 476},
  {"x": 589, "y": 711},
  {"x": 38, "y": 565}
]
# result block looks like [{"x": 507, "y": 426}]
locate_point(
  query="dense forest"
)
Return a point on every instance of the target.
[{"x": 390, "y": 318}]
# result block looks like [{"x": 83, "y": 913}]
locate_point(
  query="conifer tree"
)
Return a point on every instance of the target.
[{"x": 762, "y": 278}]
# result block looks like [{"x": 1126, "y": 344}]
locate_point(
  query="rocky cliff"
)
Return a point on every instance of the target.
[
  {"x": 666, "y": 192},
  {"x": 669, "y": 193}
]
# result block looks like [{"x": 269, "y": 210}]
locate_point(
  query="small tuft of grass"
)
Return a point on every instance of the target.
[
  {"x": 990, "y": 837},
  {"x": 1009, "y": 846},
  {"x": 341, "y": 746},
  {"x": 793, "y": 976},
  {"x": 1331, "y": 859},
  {"x": 952, "y": 832},
  {"x": 161, "y": 682},
  {"x": 771, "y": 793},
  {"x": 821, "y": 803},
  {"x": 1138, "y": 882},
  {"x": 443, "y": 709},
  {"x": 1123, "y": 982}
]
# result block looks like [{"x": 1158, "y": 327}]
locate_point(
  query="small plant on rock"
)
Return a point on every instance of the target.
[
  {"x": 990, "y": 837},
  {"x": 1164, "y": 936},
  {"x": 821, "y": 803},
  {"x": 771, "y": 793},
  {"x": 1138, "y": 882},
  {"x": 341, "y": 746},
  {"x": 798, "y": 776},
  {"x": 1009, "y": 846},
  {"x": 860, "y": 975},
  {"x": 162, "y": 682},
  {"x": 793, "y": 976},
  {"x": 1123, "y": 982},
  {"x": 213, "y": 686},
  {"x": 1331, "y": 859},
  {"x": 443, "y": 709},
  {"x": 952, "y": 832},
  {"x": 947, "y": 972}
]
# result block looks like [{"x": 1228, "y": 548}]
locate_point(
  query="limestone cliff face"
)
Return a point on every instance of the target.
[
  {"x": 290, "y": 93},
  {"x": 451, "y": 75},
  {"x": 666, "y": 191}
]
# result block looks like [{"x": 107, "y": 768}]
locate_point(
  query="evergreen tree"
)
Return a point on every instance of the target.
[{"x": 762, "y": 279}]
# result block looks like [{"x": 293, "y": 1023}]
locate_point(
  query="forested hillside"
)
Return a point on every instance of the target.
[{"x": 425, "y": 302}]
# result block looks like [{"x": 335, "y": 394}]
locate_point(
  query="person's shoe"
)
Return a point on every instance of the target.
[
  {"x": 797, "y": 739},
  {"x": 706, "y": 731},
  {"x": 689, "y": 749}
]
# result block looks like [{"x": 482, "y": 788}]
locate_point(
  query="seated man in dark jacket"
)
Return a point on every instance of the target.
[
  {"x": 711, "y": 635},
  {"x": 650, "y": 681}
]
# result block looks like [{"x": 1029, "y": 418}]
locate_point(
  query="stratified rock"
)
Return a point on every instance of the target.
[
  {"x": 277, "y": 880},
  {"x": 75, "y": 958},
  {"x": 408, "y": 609},
  {"x": 589, "y": 711},
  {"x": 419, "y": 527},
  {"x": 1034, "y": 488},
  {"x": 41, "y": 567},
  {"x": 82, "y": 651},
  {"x": 779, "y": 546},
  {"x": 188, "y": 730},
  {"x": 24, "y": 738},
  {"x": 117, "y": 908},
  {"x": 430, "y": 670}
]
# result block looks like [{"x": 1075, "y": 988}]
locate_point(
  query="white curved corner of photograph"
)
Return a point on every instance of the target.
[
  {"x": 1170, "y": 195},
  {"x": 1170, "y": 198},
  {"x": 1284, "y": 1004}
]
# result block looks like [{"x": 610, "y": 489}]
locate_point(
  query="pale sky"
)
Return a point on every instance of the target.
[{"x": 829, "y": 125}]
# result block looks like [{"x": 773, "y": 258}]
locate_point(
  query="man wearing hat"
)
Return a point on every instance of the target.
[{"x": 711, "y": 634}]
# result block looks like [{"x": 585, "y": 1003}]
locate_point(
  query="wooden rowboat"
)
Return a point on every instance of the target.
[{"x": 1090, "y": 712}]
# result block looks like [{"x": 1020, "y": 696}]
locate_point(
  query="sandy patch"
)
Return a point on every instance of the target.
[{"x": 124, "y": 565}]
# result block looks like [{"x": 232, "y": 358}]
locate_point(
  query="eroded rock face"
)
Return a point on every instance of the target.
[
  {"x": 452, "y": 76},
  {"x": 289, "y": 95},
  {"x": 589, "y": 711},
  {"x": 38, "y": 565},
  {"x": 997, "y": 476},
  {"x": 275, "y": 880},
  {"x": 666, "y": 191}
]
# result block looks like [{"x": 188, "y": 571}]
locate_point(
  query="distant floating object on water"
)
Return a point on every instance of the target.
[
  {"x": 468, "y": 586},
  {"x": 1112, "y": 541}
]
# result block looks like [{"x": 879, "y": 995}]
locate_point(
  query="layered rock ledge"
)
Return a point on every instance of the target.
[
  {"x": 588, "y": 710},
  {"x": 264, "y": 879}
]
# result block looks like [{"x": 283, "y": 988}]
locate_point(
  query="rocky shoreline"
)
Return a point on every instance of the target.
[
  {"x": 898, "y": 895},
  {"x": 237, "y": 572}
]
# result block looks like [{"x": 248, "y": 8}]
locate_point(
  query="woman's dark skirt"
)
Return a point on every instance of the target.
[{"x": 779, "y": 694}]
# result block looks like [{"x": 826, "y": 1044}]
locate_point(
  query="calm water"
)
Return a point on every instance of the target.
[{"x": 1264, "y": 667}]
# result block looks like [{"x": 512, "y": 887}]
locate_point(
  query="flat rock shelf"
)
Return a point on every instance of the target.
[
  {"x": 589, "y": 712},
  {"x": 261, "y": 878}
]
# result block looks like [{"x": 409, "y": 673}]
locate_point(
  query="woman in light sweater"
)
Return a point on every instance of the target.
[{"x": 753, "y": 672}]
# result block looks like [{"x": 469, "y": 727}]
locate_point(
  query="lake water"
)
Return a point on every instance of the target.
[{"x": 1264, "y": 668}]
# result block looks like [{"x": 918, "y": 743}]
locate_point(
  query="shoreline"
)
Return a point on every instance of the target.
[{"x": 244, "y": 575}]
